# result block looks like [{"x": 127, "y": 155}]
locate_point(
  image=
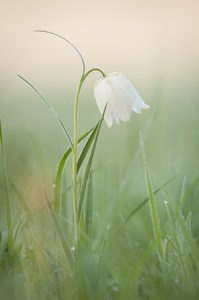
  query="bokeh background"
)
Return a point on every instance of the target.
[
  {"x": 146, "y": 40},
  {"x": 153, "y": 43}
]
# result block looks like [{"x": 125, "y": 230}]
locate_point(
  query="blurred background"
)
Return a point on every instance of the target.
[
  {"x": 153, "y": 43},
  {"x": 146, "y": 40}
]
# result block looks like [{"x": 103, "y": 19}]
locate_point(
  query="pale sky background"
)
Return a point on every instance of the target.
[{"x": 144, "y": 40}]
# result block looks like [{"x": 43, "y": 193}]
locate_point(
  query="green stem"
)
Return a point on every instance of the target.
[
  {"x": 75, "y": 212},
  {"x": 152, "y": 205},
  {"x": 93, "y": 70},
  {"x": 75, "y": 157}
]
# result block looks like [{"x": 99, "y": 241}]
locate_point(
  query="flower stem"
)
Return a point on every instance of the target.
[
  {"x": 93, "y": 70},
  {"x": 75, "y": 158},
  {"x": 75, "y": 197}
]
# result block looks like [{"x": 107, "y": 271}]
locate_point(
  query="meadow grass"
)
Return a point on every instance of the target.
[
  {"x": 132, "y": 231},
  {"x": 126, "y": 252}
]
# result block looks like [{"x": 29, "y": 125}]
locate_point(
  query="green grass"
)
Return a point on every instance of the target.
[{"x": 138, "y": 219}]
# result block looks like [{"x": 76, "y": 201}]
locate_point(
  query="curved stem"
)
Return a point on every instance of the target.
[
  {"x": 75, "y": 212},
  {"x": 93, "y": 70},
  {"x": 73, "y": 46},
  {"x": 75, "y": 158}
]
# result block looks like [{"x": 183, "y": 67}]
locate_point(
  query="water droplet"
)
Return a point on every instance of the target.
[{"x": 72, "y": 248}]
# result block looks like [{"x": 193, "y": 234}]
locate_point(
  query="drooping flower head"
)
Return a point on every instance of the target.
[{"x": 121, "y": 98}]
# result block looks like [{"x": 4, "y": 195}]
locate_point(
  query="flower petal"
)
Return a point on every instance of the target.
[
  {"x": 101, "y": 99},
  {"x": 129, "y": 92},
  {"x": 120, "y": 105},
  {"x": 121, "y": 98}
]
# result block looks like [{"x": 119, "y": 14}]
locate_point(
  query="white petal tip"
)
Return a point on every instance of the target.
[
  {"x": 109, "y": 124},
  {"x": 145, "y": 106}
]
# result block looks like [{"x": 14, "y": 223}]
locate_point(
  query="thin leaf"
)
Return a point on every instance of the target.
[
  {"x": 8, "y": 204},
  {"x": 135, "y": 210},
  {"x": 55, "y": 34},
  {"x": 22, "y": 200},
  {"x": 59, "y": 173},
  {"x": 152, "y": 204},
  {"x": 89, "y": 207},
  {"x": 88, "y": 168},
  {"x": 182, "y": 192},
  {"x": 58, "y": 179},
  {"x": 82, "y": 236},
  {"x": 140, "y": 263},
  {"x": 60, "y": 234},
  {"x": 175, "y": 235},
  {"x": 50, "y": 108},
  {"x": 191, "y": 242},
  {"x": 86, "y": 147},
  {"x": 21, "y": 222},
  {"x": 190, "y": 190}
]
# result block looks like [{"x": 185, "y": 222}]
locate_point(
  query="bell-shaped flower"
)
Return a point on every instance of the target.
[{"x": 116, "y": 91}]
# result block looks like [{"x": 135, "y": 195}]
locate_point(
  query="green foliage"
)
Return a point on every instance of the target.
[
  {"x": 88, "y": 166},
  {"x": 110, "y": 264},
  {"x": 134, "y": 241},
  {"x": 61, "y": 165}
]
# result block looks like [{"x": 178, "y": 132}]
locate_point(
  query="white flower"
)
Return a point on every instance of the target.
[{"x": 121, "y": 98}]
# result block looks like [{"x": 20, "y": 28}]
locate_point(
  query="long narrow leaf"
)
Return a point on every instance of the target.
[
  {"x": 89, "y": 207},
  {"x": 58, "y": 179},
  {"x": 152, "y": 204},
  {"x": 190, "y": 190},
  {"x": 176, "y": 237},
  {"x": 88, "y": 168},
  {"x": 135, "y": 210},
  {"x": 59, "y": 173},
  {"x": 50, "y": 108},
  {"x": 140, "y": 263},
  {"x": 86, "y": 147},
  {"x": 73, "y": 46},
  {"x": 60, "y": 234},
  {"x": 21, "y": 198},
  {"x": 188, "y": 237},
  {"x": 8, "y": 205}
]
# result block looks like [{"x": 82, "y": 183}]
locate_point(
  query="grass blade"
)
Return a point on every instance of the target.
[
  {"x": 88, "y": 168},
  {"x": 58, "y": 179},
  {"x": 141, "y": 261},
  {"x": 153, "y": 209},
  {"x": 59, "y": 173},
  {"x": 176, "y": 236},
  {"x": 22, "y": 200},
  {"x": 73, "y": 46},
  {"x": 182, "y": 191},
  {"x": 89, "y": 207},
  {"x": 135, "y": 210},
  {"x": 60, "y": 234},
  {"x": 190, "y": 191},
  {"x": 50, "y": 108},
  {"x": 86, "y": 147},
  {"x": 8, "y": 204}
]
